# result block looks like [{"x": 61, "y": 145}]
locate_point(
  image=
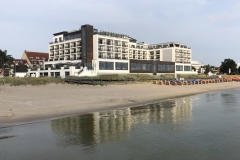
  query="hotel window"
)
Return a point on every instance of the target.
[
  {"x": 140, "y": 66},
  {"x": 121, "y": 66},
  {"x": 165, "y": 67},
  {"x": 106, "y": 65},
  {"x": 187, "y": 68},
  {"x": 179, "y": 67}
]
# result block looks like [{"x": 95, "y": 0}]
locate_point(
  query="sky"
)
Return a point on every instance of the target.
[{"x": 210, "y": 27}]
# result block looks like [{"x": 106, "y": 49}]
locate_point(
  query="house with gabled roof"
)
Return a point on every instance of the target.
[{"x": 35, "y": 59}]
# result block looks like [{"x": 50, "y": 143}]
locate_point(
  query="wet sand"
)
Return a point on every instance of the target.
[{"x": 24, "y": 104}]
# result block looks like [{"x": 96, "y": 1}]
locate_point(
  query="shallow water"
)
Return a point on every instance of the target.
[{"x": 205, "y": 126}]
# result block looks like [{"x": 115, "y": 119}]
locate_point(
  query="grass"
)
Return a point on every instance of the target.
[
  {"x": 140, "y": 77},
  {"x": 107, "y": 79},
  {"x": 15, "y": 81},
  {"x": 120, "y": 77}
]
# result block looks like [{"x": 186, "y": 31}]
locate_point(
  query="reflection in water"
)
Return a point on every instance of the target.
[
  {"x": 114, "y": 125},
  {"x": 211, "y": 96},
  {"x": 230, "y": 100}
]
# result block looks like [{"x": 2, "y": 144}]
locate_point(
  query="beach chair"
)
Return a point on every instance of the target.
[
  {"x": 200, "y": 81},
  {"x": 154, "y": 81},
  {"x": 185, "y": 82},
  {"x": 160, "y": 82},
  {"x": 180, "y": 83},
  {"x": 189, "y": 82},
  {"x": 204, "y": 81},
  {"x": 167, "y": 83}
]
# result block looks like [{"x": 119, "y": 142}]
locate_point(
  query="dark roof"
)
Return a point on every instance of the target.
[
  {"x": 59, "y": 33},
  {"x": 36, "y": 55}
]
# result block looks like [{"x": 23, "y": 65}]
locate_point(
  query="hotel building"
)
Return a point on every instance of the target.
[{"x": 89, "y": 52}]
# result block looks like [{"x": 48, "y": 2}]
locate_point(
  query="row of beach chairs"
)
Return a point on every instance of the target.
[{"x": 195, "y": 81}]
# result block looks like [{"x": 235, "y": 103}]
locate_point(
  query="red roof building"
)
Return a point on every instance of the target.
[{"x": 34, "y": 58}]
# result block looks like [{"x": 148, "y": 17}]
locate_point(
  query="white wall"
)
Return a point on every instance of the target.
[{"x": 21, "y": 74}]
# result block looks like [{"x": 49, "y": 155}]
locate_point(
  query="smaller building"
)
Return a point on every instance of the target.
[
  {"x": 199, "y": 66},
  {"x": 35, "y": 59},
  {"x": 18, "y": 68}
]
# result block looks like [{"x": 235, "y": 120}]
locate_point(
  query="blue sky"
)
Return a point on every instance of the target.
[{"x": 210, "y": 27}]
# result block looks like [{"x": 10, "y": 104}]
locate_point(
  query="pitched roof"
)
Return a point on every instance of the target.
[{"x": 36, "y": 55}]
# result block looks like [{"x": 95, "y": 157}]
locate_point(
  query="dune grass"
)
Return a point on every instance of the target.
[
  {"x": 109, "y": 78},
  {"x": 16, "y": 81},
  {"x": 140, "y": 77}
]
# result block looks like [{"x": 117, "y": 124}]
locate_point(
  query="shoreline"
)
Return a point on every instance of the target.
[{"x": 32, "y": 104}]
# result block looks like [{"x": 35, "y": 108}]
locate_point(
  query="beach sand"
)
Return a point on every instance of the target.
[{"x": 24, "y": 104}]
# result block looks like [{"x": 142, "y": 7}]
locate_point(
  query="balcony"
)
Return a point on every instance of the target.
[
  {"x": 101, "y": 56},
  {"x": 101, "y": 42}
]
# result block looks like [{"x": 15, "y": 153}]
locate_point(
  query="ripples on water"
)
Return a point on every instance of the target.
[{"x": 204, "y": 126}]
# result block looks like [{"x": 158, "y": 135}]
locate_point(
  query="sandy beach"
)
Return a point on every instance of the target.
[{"x": 23, "y": 104}]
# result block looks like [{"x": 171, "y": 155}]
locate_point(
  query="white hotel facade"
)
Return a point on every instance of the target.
[{"x": 89, "y": 52}]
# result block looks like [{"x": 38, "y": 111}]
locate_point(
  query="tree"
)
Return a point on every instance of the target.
[
  {"x": 239, "y": 70},
  {"x": 193, "y": 68},
  {"x": 4, "y": 58},
  {"x": 208, "y": 68},
  {"x": 228, "y": 65}
]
